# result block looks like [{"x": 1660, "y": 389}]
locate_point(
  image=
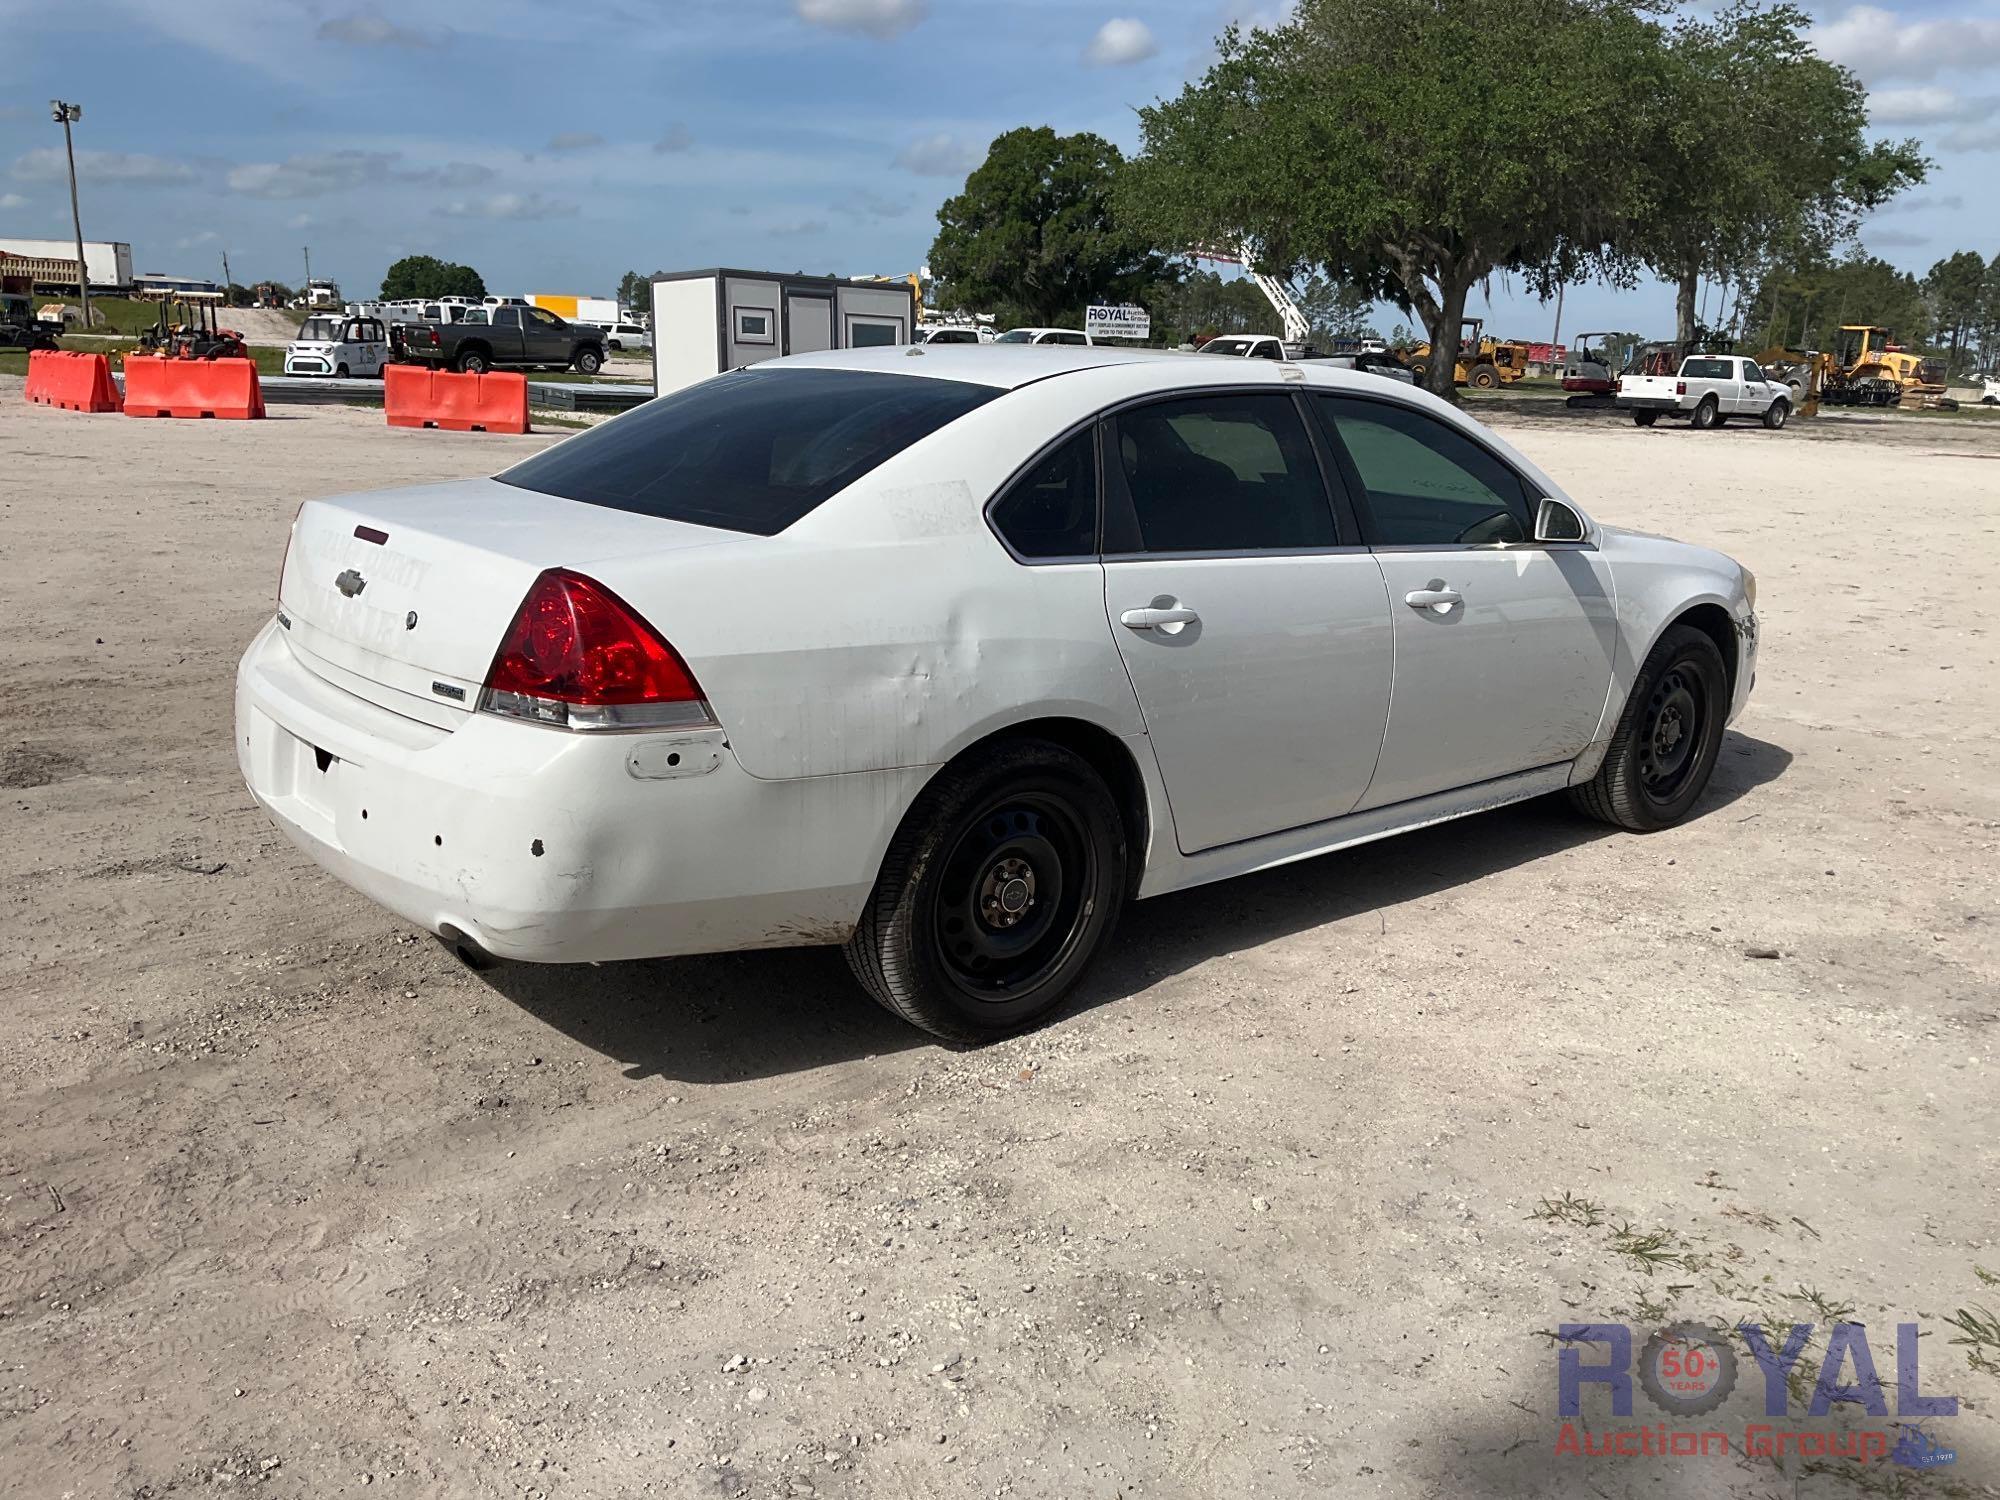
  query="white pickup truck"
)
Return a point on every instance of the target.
[{"x": 1709, "y": 390}]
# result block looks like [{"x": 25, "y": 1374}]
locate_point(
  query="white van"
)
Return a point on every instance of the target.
[{"x": 336, "y": 344}]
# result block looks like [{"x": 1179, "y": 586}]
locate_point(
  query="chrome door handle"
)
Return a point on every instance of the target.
[
  {"x": 1155, "y": 619},
  {"x": 1438, "y": 599}
]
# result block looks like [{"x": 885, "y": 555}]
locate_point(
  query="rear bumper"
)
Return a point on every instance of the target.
[
  {"x": 1668, "y": 405},
  {"x": 550, "y": 846}
]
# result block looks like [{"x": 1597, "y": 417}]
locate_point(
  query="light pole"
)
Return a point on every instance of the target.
[{"x": 66, "y": 115}]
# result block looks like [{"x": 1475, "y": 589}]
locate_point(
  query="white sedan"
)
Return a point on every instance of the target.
[{"x": 944, "y": 657}]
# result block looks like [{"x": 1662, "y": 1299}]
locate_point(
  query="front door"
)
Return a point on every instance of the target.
[
  {"x": 1503, "y": 647},
  {"x": 808, "y": 323},
  {"x": 1254, "y": 627}
]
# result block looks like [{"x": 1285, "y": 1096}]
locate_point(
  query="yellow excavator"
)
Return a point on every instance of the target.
[{"x": 1484, "y": 364}]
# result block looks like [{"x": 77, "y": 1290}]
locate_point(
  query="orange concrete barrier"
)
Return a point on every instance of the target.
[
  {"x": 72, "y": 381},
  {"x": 418, "y": 396},
  {"x": 156, "y": 387}
]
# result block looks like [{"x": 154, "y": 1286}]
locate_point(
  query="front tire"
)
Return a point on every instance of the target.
[
  {"x": 1708, "y": 414},
  {"x": 1483, "y": 378},
  {"x": 588, "y": 362},
  {"x": 1664, "y": 748},
  {"x": 1005, "y": 878},
  {"x": 1776, "y": 413}
]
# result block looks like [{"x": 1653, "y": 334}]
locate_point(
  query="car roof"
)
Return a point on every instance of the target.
[{"x": 1009, "y": 366}]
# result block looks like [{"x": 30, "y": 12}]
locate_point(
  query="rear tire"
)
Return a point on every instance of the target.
[
  {"x": 1707, "y": 414},
  {"x": 473, "y": 362},
  {"x": 1005, "y": 878},
  {"x": 1664, "y": 748},
  {"x": 1645, "y": 418},
  {"x": 1776, "y": 413}
]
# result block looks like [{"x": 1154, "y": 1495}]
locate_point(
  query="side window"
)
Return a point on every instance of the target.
[
  {"x": 506, "y": 317},
  {"x": 1219, "y": 473},
  {"x": 541, "y": 317},
  {"x": 1051, "y": 510},
  {"x": 1268, "y": 350},
  {"x": 1751, "y": 372},
  {"x": 1428, "y": 485}
]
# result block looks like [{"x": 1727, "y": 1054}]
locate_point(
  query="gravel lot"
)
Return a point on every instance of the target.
[{"x": 290, "y": 1202}]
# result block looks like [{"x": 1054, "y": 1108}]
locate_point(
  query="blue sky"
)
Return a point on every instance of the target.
[{"x": 554, "y": 146}]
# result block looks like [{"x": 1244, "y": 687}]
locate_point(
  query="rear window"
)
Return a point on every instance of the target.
[
  {"x": 1706, "y": 369},
  {"x": 750, "y": 451}
]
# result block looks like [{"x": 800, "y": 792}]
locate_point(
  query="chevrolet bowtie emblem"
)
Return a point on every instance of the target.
[{"x": 350, "y": 583}]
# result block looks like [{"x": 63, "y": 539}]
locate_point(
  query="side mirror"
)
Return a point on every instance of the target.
[{"x": 1559, "y": 521}]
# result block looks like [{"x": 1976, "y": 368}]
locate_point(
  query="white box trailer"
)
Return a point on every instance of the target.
[
  {"x": 108, "y": 263},
  {"x": 706, "y": 322},
  {"x": 598, "y": 310}
]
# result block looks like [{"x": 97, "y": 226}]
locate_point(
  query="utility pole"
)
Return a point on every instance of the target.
[
  {"x": 225, "y": 278},
  {"x": 67, "y": 115},
  {"x": 308, "y": 287},
  {"x": 1556, "y": 337}
]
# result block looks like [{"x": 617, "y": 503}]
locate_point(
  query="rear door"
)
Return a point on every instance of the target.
[
  {"x": 1503, "y": 646},
  {"x": 509, "y": 342},
  {"x": 1252, "y": 622}
]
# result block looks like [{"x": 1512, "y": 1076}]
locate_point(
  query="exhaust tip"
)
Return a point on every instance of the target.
[{"x": 465, "y": 950}]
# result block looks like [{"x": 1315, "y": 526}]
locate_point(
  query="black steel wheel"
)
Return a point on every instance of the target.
[
  {"x": 1671, "y": 732},
  {"x": 1664, "y": 748},
  {"x": 1003, "y": 881}
]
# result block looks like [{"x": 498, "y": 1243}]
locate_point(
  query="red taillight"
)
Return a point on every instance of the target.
[
  {"x": 578, "y": 656},
  {"x": 1680, "y": 387}
]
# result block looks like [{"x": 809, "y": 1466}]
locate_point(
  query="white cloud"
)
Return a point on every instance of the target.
[
  {"x": 518, "y": 206},
  {"x": 1878, "y": 43},
  {"x": 11, "y": 200},
  {"x": 867, "y": 205},
  {"x": 799, "y": 228},
  {"x": 1985, "y": 137},
  {"x": 312, "y": 175},
  {"x": 1918, "y": 106},
  {"x": 190, "y": 242},
  {"x": 1901, "y": 239},
  {"x": 300, "y": 221},
  {"x": 1916, "y": 202},
  {"x": 371, "y": 29},
  {"x": 49, "y": 165},
  {"x": 1121, "y": 40},
  {"x": 575, "y": 140},
  {"x": 677, "y": 138},
  {"x": 939, "y": 156},
  {"x": 881, "y": 19}
]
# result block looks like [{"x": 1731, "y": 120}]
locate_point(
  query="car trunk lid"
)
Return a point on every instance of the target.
[{"x": 402, "y": 597}]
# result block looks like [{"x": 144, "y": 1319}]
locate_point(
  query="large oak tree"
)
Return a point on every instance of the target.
[
  {"x": 1756, "y": 152},
  {"x": 1410, "y": 147}
]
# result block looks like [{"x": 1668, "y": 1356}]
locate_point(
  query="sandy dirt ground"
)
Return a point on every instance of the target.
[{"x": 1286, "y": 1205}]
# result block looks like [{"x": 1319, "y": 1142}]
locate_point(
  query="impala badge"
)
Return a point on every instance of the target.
[{"x": 350, "y": 583}]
